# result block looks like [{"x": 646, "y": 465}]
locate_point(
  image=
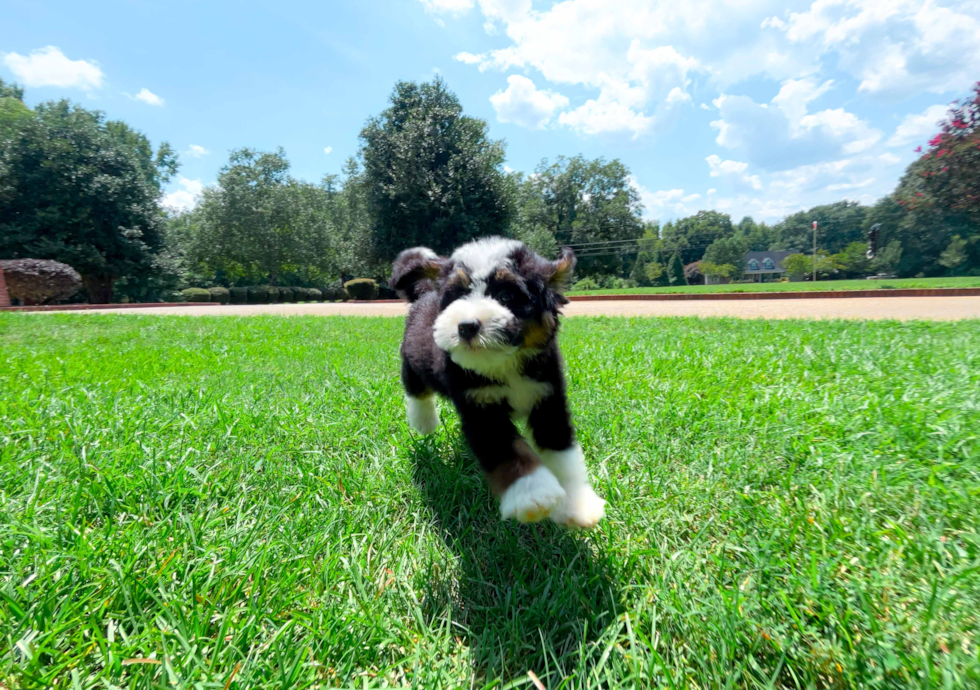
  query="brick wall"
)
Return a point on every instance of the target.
[{"x": 4, "y": 297}]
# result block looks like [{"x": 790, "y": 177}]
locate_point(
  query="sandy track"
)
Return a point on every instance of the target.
[{"x": 902, "y": 308}]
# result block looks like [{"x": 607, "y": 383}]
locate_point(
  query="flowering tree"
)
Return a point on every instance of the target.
[{"x": 949, "y": 170}]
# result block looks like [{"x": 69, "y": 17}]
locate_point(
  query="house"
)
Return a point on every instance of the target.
[{"x": 764, "y": 267}]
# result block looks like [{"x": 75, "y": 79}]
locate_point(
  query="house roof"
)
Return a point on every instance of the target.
[{"x": 776, "y": 257}]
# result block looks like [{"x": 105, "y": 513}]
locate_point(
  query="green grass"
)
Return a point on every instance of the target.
[
  {"x": 894, "y": 283},
  {"x": 791, "y": 504}
]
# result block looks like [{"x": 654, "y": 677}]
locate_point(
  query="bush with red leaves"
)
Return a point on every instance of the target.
[{"x": 949, "y": 170}]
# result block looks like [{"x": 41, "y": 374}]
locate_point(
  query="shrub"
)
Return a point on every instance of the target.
[
  {"x": 693, "y": 273},
  {"x": 238, "y": 295},
  {"x": 334, "y": 293},
  {"x": 362, "y": 289},
  {"x": 307, "y": 294},
  {"x": 195, "y": 295},
  {"x": 385, "y": 292},
  {"x": 260, "y": 294},
  {"x": 39, "y": 281},
  {"x": 287, "y": 294},
  {"x": 274, "y": 294},
  {"x": 220, "y": 295},
  {"x": 586, "y": 284}
]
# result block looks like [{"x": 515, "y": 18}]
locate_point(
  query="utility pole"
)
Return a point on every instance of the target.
[{"x": 814, "y": 251}]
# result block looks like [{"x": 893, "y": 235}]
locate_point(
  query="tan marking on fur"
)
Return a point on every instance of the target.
[
  {"x": 505, "y": 276},
  {"x": 523, "y": 461},
  {"x": 563, "y": 270},
  {"x": 538, "y": 334}
]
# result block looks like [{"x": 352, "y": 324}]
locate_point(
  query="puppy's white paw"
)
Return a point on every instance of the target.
[
  {"x": 423, "y": 415},
  {"x": 532, "y": 497},
  {"x": 582, "y": 508}
]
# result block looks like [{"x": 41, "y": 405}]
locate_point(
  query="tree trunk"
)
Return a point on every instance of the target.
[{"x": 99, "y": 288}]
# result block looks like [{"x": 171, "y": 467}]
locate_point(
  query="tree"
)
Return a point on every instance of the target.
[
  {"x": 432, "y": 176},
  {"x": 729, "y": 251},
  {"x": 79, "y": 190},
  {"x": 801, "y": 265},
  {"x": 758, "y": 236},
  {"x": 955, "y": 253},
  {"x": 692, "y": 235},
  {"x": 694, "y": 274},
  {"x": 675, "y": 270},
  {"x": 13, "y": 91},
  {"x": 838, "y": 225},
  {"x": 888, "y": 259},
  {"x": 648, "y": 268},
  {"x": 950, "y": 167},
  {"x": 853, "y": 260},
  {"x": 581, "y": 201},
  {"x": 713, "y": 270}
]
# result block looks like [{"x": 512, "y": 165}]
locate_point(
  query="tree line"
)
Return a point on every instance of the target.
[{"x": 79, "y": 189}]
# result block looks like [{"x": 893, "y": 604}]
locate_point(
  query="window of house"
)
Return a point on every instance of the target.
[
  {"x": 769, "y": 265},
  {"x": 753, "y": 265}
]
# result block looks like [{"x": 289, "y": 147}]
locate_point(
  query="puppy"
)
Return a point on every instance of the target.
[{"x": 481, "y": 331}]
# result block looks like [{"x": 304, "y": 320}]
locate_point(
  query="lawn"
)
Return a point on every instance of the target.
[
  {"x": 237, "y": 502},
  {"x": 807, "y": 286}
]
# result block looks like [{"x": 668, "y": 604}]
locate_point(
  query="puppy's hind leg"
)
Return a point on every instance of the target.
[{"x": 420, "y": 402}]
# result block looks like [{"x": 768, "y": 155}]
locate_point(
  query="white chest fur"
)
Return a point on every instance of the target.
[{"x": 521, "y": 393}]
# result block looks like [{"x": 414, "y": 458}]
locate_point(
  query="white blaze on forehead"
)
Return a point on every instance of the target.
[{"x": 482, "y": 257}]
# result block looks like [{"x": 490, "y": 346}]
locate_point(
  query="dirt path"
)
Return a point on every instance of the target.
[{"x": 902, "y": 308}]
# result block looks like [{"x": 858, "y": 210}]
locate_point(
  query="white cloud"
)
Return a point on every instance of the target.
[
  {"x": 469, "y": 58},
  {"x": 918, "y": 128},
  {"x": 327, "y": 150},
  {"x": 525, "y": 105},
  {"x": 896, "y": 48},
  {"x": 780, "y": 134},
  {"x": 195, "y": 151},
  {"x": 733, "y": 171},
  {"x": 186, "y": 198},
  {"x": 48, "y": 66},
  {"x": 605, "y": 114},
  {"x": 149, "y": 97},
  {"x": 452, "y": 7}
]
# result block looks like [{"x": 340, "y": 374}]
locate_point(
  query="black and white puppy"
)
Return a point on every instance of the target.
[{"x": 481, "y": 332}]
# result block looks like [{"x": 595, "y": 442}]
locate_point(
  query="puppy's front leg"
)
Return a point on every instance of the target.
[
  {"x": 551, "y": 426},
  {"x": 527, "y": 490}
]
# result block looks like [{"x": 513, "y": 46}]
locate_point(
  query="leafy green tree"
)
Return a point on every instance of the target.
[
  {"x": 713, "y": 270},
  {"x": 838, "y": 225},
  {"x": 853, "y": 260},
  {"x": 691, "y": 236},
  {"x": 80, "y": 190},
  {"x": 759, "y": 237},
  {"x": 729, "y": 251},
  {"x": 647, "y": 269},
  {"x": 889, "y": 258},
  {"x": 11, "y": 91},
  {"x": 675, "y": 270},
  {"x": 581, "y": 201},
  {"x": 801, "y": 266},
  {"x": 955, "y": 254},
  {"x": 432, "y": 176}
]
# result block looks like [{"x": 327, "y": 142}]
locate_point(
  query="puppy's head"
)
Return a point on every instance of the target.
[{"x": 497, "y": 298}]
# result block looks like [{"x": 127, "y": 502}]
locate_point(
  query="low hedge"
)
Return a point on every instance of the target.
[
  {"x": 195, "y": 295},
  {"x": 238, "y": 295},
  {"x": 307, "y": 294},
  {"x": 219, "y": 295},
  {"x": 362, "y": 289},
  {"x": 260, "y": 294},
  {"x": 287, "y": 294},
  {"x": 333, "y": 293}
]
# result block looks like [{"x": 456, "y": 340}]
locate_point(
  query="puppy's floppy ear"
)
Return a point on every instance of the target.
[
  {"x": 415, "y": 271},
  {"x": 561, "y": 269}
]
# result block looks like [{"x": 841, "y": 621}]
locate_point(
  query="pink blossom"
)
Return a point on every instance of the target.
[
  {"x": 936, "y": 140},
  {"x": 918, "y": 193},
  {"x": 918, "y": 149}
]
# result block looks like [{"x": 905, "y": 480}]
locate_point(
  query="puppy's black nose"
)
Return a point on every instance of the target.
[{"x": 469, "y": 329}]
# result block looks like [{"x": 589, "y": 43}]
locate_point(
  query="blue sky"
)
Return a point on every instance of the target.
[{"x": 746, "y": 106}]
